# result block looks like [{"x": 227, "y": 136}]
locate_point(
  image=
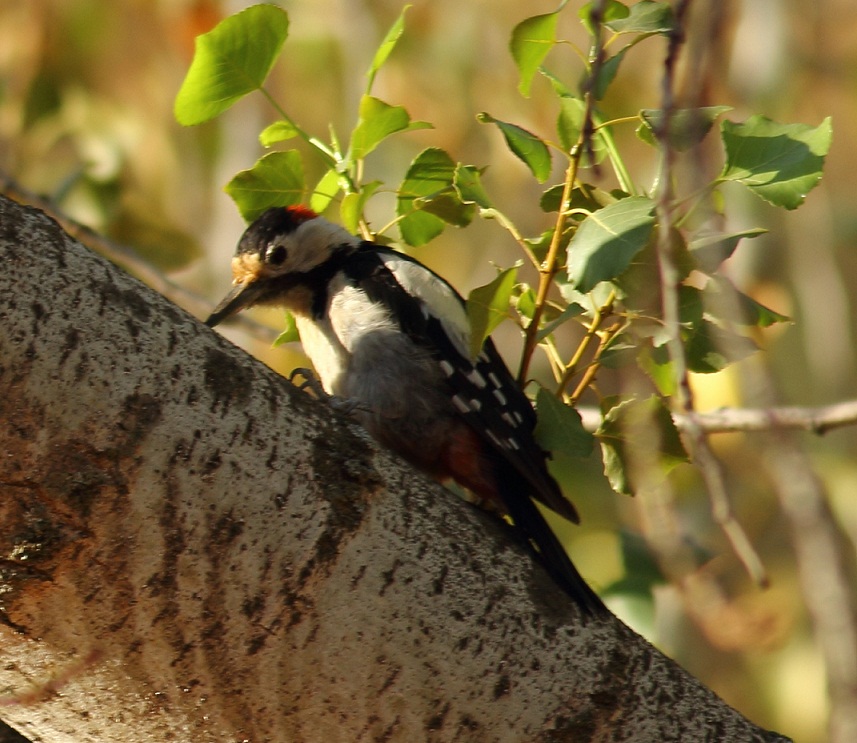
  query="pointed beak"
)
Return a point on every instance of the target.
[{"x": 240, "y": 297}]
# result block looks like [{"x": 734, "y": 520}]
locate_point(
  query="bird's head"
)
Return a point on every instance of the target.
[{"x": 276, "y": 257}]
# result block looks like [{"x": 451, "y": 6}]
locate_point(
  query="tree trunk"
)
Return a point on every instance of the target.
[{"x": 192, "y": 550}]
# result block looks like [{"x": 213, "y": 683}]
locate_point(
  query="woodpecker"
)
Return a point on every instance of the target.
[{"x": 386, "y": 332}]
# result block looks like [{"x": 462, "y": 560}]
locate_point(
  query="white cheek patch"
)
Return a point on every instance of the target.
[{"x": 312, "y": 243}]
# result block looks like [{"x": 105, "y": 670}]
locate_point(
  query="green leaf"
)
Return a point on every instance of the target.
[
  {"x": 645, "y": 17},
  {"x": 573, "y": 310},
  {"x": 467, "y": 181},
  {"x": 325, "y": 191},
  {"x": 279, "y": 131},
  {"x": 781, "y": 163},
  {"x": 354, "y": 204},
  {"x": 230, "y": 61},
  {"x": 290, "y": 332},
  {"x": 585, "y": 197},
  {"x": 606, "y": 74},
  {"x": 488, "y": 306},
  {"x": 687, "y": 126},
  {"x": 559, "y": 87},
  {"x": 529, "y": 148},
  {"x": 607, "y": 241},
  {"x": 570, "y": 121},
  {"x": 711, "y": 348},
  {"x": 448, "y": 207},
  {"x": 275, "y": 180},
  {"x": 639, "y": 443},
  {"x": 724, "y": 302},
  {"x": 709, "y": 251},
  {"x": 431, "y": 173},
  {"x": 386, "y": 47},
  {"x": 612, "y": 11},
  {"x": 655, "y": 361},
  {"x": 532, "y": 39},
  {"x": 378, "y": 120},
  {"x": 569, "y": 125},
  {"x": 560, "y": 429}
]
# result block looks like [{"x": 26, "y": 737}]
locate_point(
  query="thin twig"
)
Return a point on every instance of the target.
[
  {"x": 817, "y": 420},
  {"x": 549, "y": 268},
  {"x": 709, "y": 466}
]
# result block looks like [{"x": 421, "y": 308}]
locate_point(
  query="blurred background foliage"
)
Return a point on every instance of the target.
[{"x": 86, "y": 119}]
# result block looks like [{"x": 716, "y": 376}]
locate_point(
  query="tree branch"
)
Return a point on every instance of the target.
[
  {"x": 192, "y": 550},
  {"x": 817, "y": 420}
]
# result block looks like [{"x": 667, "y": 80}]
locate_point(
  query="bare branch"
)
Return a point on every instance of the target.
[{"x": 817, "y": 420}]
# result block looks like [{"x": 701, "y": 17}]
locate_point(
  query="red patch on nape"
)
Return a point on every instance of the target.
[{"x": 300, "y": 213}]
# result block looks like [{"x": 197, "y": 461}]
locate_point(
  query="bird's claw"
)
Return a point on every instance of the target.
[{"x": 312, "y": 384}]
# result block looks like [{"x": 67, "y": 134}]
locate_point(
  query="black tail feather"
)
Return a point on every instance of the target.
[{"x": 555, "y": 559}]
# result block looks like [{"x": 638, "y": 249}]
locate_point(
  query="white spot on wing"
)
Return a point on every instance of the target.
[
  {"x": 461, "y": 404},
  {"x": 501, "y": 398},
  {"x": 447, "y": 368},
  {"x": 476, "y": 378}
]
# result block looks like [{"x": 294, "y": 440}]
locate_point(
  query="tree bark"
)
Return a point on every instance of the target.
[{"x": 192, "y": 550}]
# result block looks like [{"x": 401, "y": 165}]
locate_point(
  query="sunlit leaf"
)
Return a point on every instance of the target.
[
  {"x": 467, "y": 181},
  {"x": 378, "y": 120},
  {"x": 560, "y": 429},
  {"x": 279, "y": 131},
  {"x": 289, "y": 333},
  {"x": 488, "y": 306},
  {"x": 431, "y": 173},
  {"x": 386, "y": 47},
  {"x": 607, "y": 240},
  {"x": 529, "y": 148},
  {"x": 230, "y": 61},
  {"x": 353, "y": 205},
  {"x": 532, "y": 39},
  {"x": 781, "y": 163},
  {"x": 325, "y": 191},
  {"x": 645, "y": 17},
  {"x": 611, "y": 10},
  {"x": 275, "y": 180},
  {"x": 655, "y": 361}
]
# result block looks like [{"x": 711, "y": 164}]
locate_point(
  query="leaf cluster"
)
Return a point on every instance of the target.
[{"x": 596, "y": 260}]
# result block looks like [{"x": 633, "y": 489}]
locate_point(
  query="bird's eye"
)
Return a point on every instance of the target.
[{"x": 276, "y": 255}]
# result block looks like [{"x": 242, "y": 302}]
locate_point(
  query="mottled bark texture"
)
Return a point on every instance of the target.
[{"x": 192, "y": 550}]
